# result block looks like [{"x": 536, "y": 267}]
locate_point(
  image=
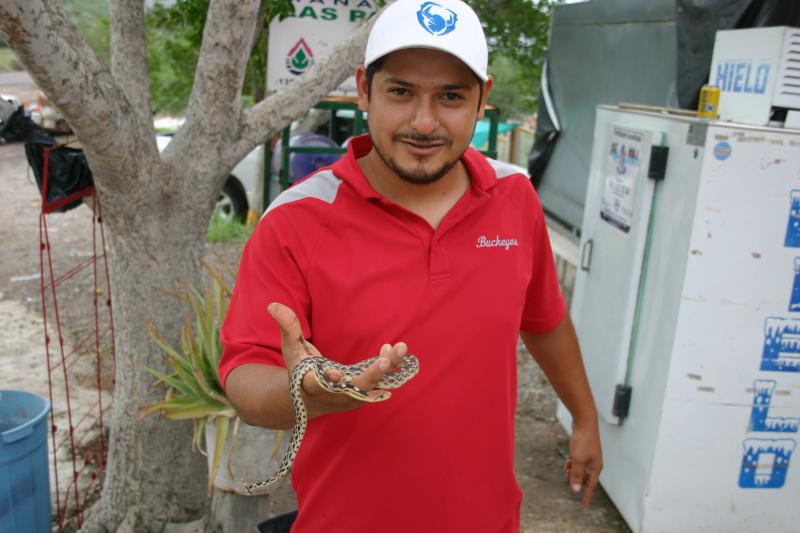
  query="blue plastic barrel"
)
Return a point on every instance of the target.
[
  {"x": 301, "y": 165},
  {"x": 24, "y": 472}
]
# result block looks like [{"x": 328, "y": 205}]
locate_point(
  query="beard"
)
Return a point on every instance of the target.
[{"x": 418, "y": 175}]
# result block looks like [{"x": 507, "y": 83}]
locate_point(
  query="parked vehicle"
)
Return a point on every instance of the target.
[
  {"x": 8, "y": 104},
  {"x": 240, "y": 193}
]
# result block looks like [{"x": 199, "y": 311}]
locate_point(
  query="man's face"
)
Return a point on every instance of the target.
[{"x": 422, "y": 107}]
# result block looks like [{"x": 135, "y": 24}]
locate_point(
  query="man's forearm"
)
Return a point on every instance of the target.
[
  {"x": 260, "y": 394},
  {"x": 558, "y": 354}
]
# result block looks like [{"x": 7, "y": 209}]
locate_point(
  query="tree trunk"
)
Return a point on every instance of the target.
[{"x": 152, "y": 475}]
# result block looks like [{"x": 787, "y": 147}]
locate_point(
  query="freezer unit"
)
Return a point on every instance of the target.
[{"x": 687, "y": 307}]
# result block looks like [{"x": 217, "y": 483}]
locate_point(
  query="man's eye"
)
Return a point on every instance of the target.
[
  {"x": 452, "y": 97},
  {"x": 399, "y": 91}
]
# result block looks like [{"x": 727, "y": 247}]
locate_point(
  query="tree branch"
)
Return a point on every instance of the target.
[
  {"x": 68, "y": 71},
  {"x": 129, "y": 56},
  {"x": 277, "y": 111},
  {"x": 215, "y": 101}
]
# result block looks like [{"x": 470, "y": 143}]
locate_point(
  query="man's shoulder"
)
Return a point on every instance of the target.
[
  {"x": 509, "y": 184},
  {"x": 316, "y": 191},
  {"x": 489, "y": 172},
  {"x": 503, "y": 169},
  {"x": 509, "y": 179}
]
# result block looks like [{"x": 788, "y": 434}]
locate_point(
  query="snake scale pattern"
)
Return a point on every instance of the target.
[{"x": 319, "y": 366}]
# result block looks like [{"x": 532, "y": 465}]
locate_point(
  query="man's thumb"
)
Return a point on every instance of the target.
[{"x": 288, "y": 323}]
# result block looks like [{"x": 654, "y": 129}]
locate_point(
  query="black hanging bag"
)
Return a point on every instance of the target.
[{"x": 62, "y": 173}]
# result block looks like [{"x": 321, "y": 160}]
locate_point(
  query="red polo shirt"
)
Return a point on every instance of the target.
[{"x": 361, "y": 271}]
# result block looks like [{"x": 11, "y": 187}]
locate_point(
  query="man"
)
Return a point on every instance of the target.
[{"x": 415, "y": 241}]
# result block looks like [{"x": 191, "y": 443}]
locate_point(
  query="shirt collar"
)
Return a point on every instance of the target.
[
  {"x": 348, "y": 170},
  {"x": 482, "y": 175}
]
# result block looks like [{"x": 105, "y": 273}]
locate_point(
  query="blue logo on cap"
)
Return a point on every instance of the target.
[{"x": 436, "y": 20}]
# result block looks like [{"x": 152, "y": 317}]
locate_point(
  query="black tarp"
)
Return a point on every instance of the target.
[
  {"x": 697, "y": 24},
  {"x": 68, "y": 172},
  {"x": 547, "y": 129},
  {"x": 17, "y": 127}
]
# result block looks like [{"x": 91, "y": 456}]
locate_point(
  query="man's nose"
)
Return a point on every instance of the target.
[{"x": 425, "y": 119}]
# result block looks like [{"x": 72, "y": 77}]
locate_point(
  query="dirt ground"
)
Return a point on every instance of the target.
[{"x": 541, "y": 448}]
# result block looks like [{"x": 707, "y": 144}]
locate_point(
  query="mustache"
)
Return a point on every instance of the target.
[{"x": 421, "y": 139}]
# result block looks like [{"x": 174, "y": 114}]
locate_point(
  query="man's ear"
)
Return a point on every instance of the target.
[
  {"x": 487, "y": 86},
  {"x": 362, "y": 85}
]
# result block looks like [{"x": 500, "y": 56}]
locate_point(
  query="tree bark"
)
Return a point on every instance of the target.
[
  {"x": 129, "y": 56},
  {"x": 152, "y": 476},
  {"x": 156, "y": 209}
]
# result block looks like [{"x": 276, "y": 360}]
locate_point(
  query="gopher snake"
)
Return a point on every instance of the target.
[{"x": 406, "y": 369}]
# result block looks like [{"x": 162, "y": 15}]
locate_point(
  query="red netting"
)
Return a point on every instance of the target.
[{"x": 79, "y": 346}]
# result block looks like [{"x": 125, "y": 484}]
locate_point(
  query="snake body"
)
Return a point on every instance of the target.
[{"x": 319, "y": 366}]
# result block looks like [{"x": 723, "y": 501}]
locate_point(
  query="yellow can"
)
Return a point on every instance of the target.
[{"x": 708, "y": 106}]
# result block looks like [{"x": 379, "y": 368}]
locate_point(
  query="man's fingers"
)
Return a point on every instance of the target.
[
  {"x": 590, "y": 486},
  {"x": 287, "y": 321},
  {"x": 373, "y": 373},
  {"x": 580, "y": 473},
  {"x": 293, "y": 344},
  {"x": 333, "y": 375},
  {"x": 576, "y": 475},
  {"x": 388, "y": 358},
  {"x": 397, "y": 352}
]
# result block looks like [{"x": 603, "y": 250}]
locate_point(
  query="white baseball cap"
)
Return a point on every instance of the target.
[{"x": 447, "y": 25}]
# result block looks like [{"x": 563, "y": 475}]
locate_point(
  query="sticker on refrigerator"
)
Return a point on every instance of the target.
[
  {"x": 781, "y": 345},
  {"x": 723, "y": 150},
  {"x": 623, "y": 155},
  {"x": 759, "y": 417},
  {"x": 792, "y": 239},
  {"x": 765, "y": 463},
  {"x": 794, "y": 300}
]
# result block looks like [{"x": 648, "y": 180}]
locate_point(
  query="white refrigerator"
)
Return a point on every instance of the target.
[{"x": 687, "y": 307}]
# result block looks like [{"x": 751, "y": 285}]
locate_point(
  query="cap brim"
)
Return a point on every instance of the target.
[{"x": 483, "y": 76}]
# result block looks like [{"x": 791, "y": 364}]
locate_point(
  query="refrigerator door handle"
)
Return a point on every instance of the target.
[{"x": 586, "y": 255}]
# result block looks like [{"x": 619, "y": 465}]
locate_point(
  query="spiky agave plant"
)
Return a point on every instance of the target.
[{"x": 194, "y": 391}]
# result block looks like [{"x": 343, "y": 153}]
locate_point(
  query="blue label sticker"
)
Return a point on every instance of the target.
[
  {"x": 765, "y": 463},
  {"x": 436, "y": 20},
  {"x": 781, "y": 345},
  {"x": 794, "y": 299},
  {"x": 792, "y": 239},
  {"x": 746, "y": 77},
  {"x": 759, "y": 416},
  {"x": 722, "y": 150}
]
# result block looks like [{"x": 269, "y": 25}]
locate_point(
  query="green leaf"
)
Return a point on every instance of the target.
[
  {"x": 221, "y": 424},
  {"x": 159, "y": 339},
  {"x": 171, "y": 380},
  {"x": 197, "y": 436}
]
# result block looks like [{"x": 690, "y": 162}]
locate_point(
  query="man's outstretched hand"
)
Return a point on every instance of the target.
[{"x": 319, "y": 401}]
